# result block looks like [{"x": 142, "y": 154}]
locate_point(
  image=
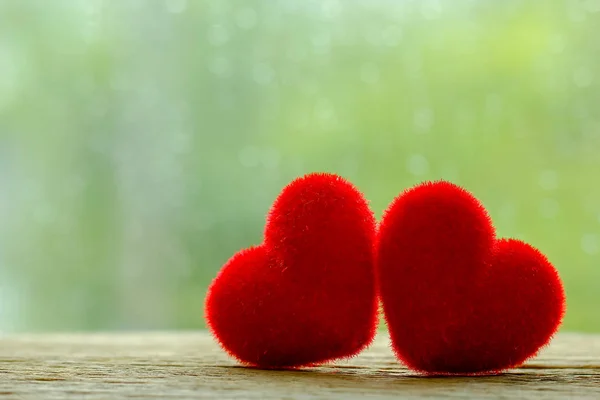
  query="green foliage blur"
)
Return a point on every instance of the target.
[{"x": 142, "y": 142}]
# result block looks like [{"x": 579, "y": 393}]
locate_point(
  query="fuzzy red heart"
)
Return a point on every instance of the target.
[
  {"x": 456, "y": 299},
  {"x": 307, "y": 294}
]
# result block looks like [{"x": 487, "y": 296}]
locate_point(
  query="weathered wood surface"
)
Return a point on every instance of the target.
[{"x": 191, "y": 366}]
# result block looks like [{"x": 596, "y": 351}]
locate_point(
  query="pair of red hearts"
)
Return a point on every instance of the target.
[{"x": 456, "y": 299}]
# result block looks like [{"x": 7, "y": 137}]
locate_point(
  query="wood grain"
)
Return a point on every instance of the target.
[{"x": 191, "y": 366}]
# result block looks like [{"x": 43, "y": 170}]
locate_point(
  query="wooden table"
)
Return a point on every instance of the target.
[{"x": 191, "y": 366}]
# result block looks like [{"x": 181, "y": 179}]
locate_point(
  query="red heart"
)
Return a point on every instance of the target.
[
  {"x": 456, "y": 299},
  {"x": 307, "y": 294}
]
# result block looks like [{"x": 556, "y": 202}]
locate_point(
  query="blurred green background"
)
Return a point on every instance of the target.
[{"x": 142, "y": 142}]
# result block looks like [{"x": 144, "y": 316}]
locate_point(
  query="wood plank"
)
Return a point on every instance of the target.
[{"x": 191, "y": 366}]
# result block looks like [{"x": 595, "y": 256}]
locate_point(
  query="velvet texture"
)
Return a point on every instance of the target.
[
  {"x": 458, "y": 300},
  {"x": 307, "y": 294}
]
